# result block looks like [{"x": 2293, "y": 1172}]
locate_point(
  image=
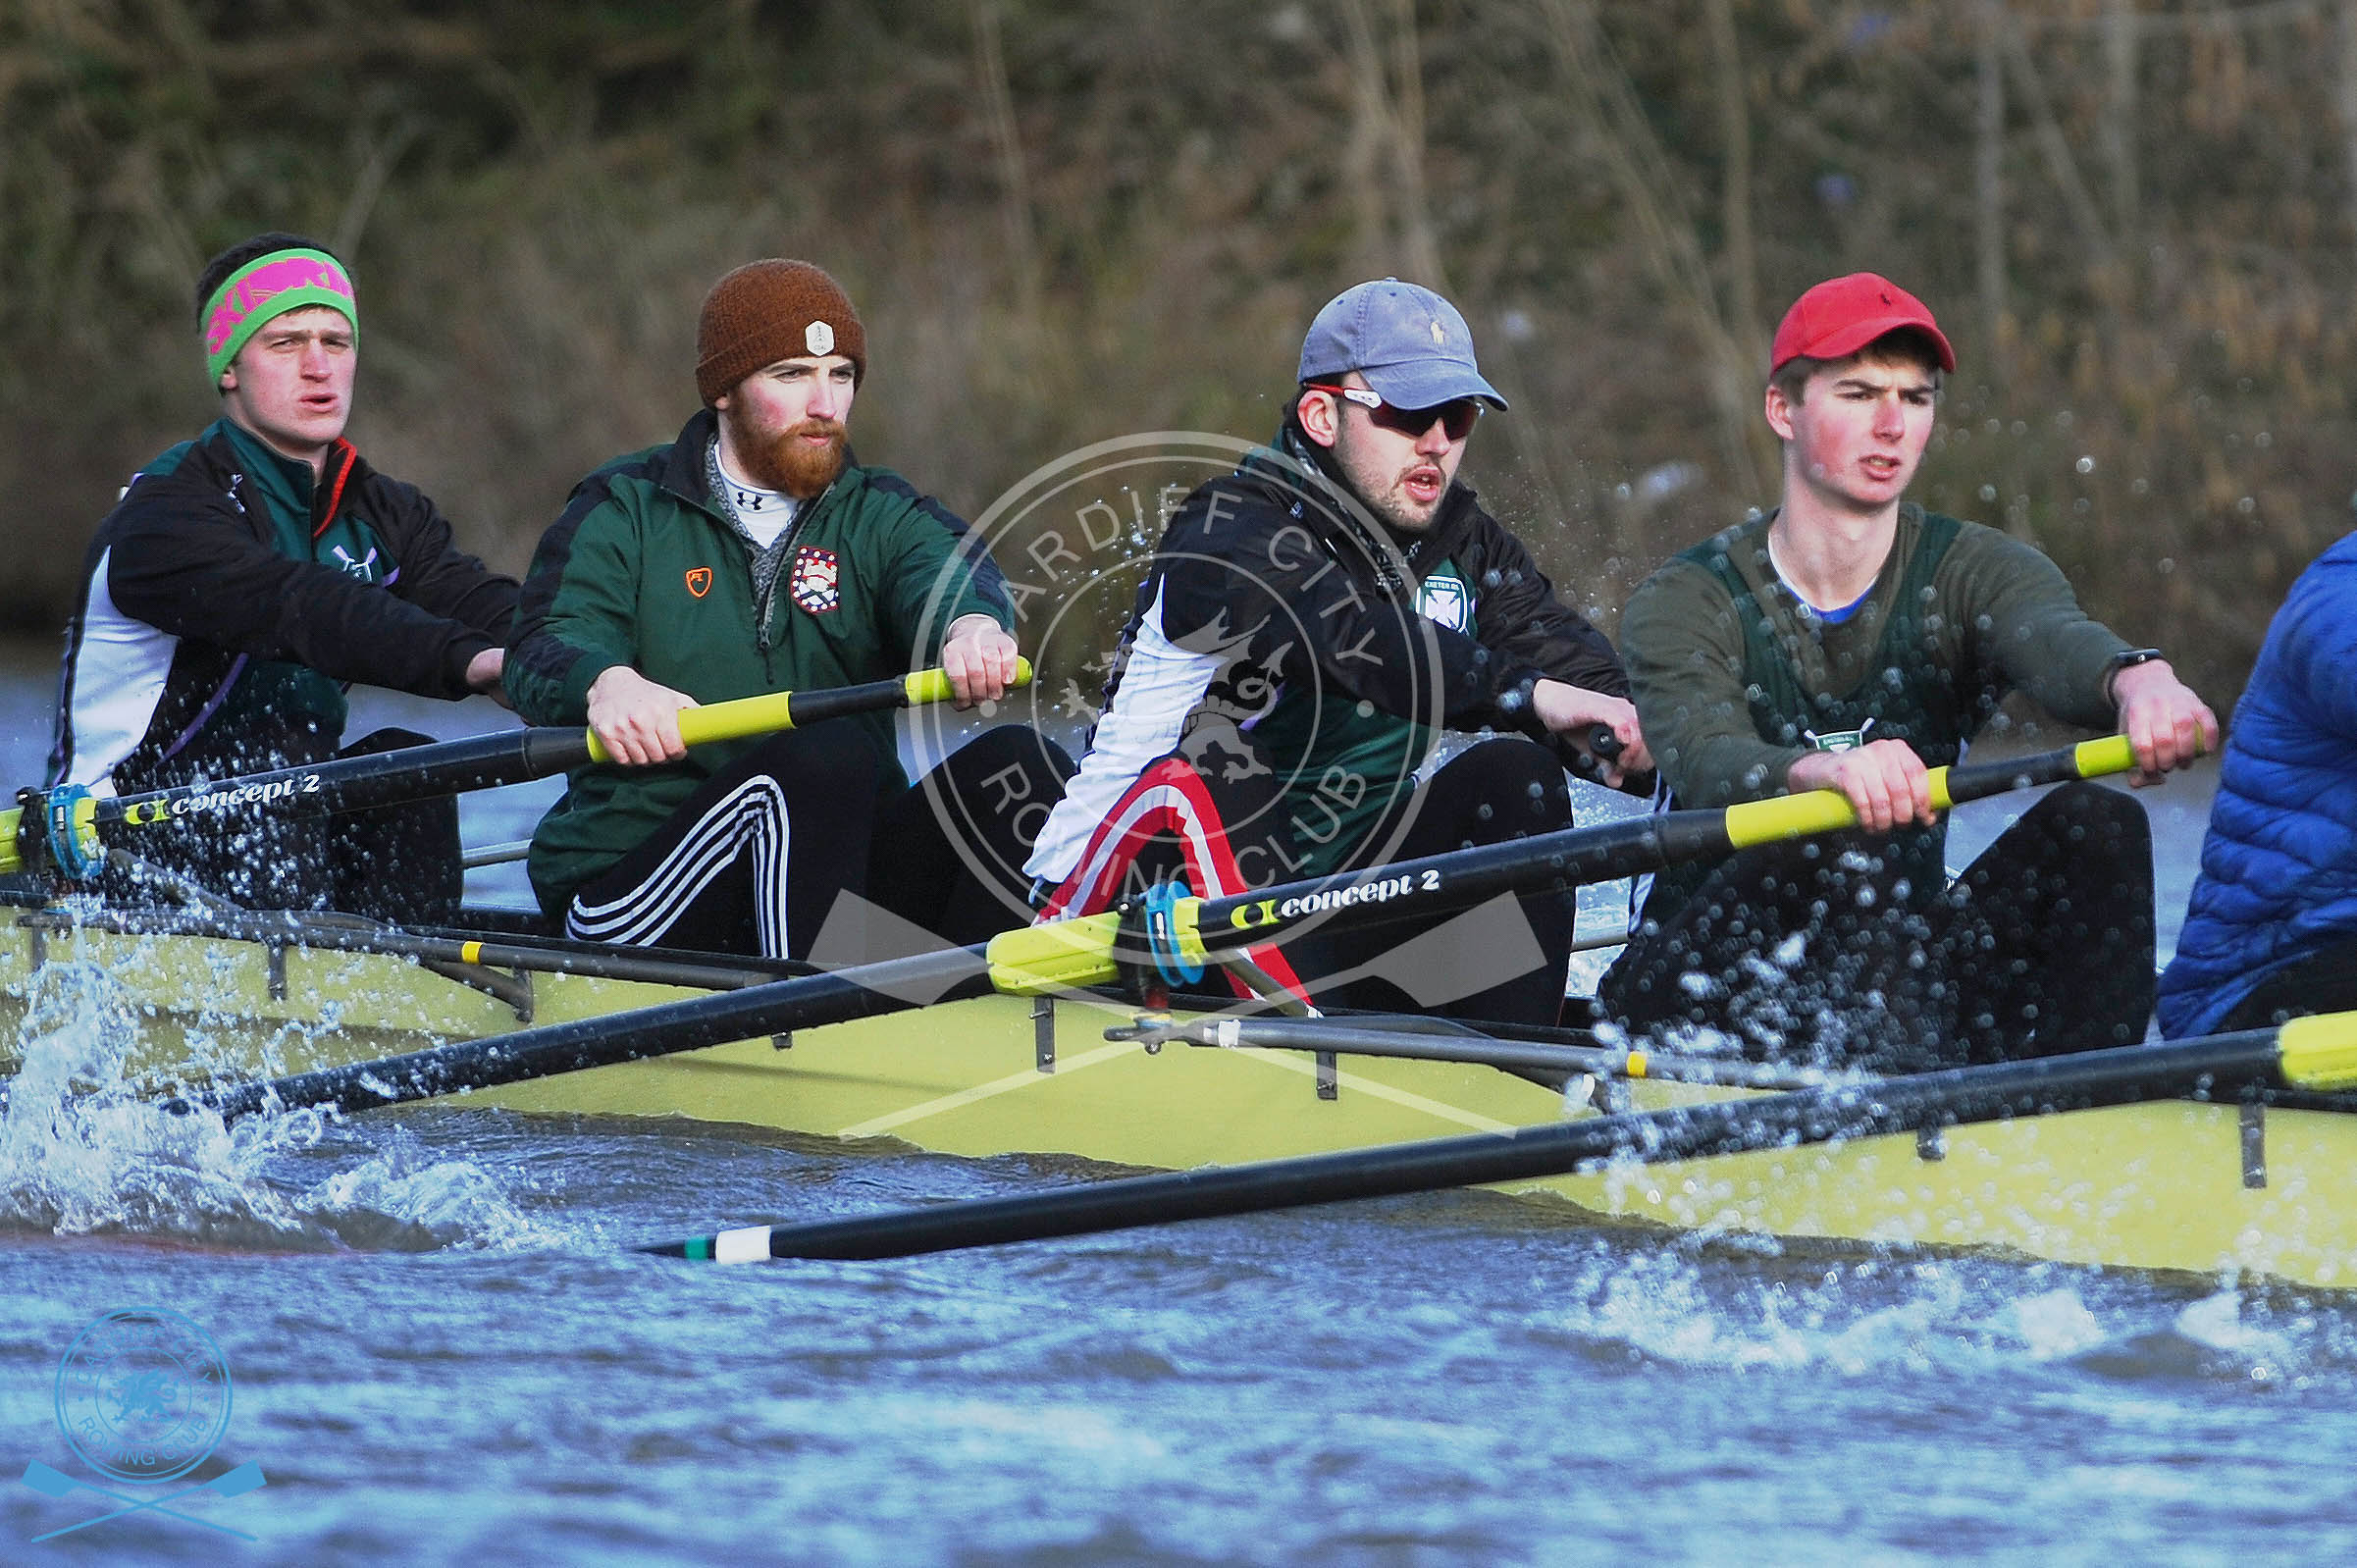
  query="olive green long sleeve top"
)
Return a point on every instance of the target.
[{"x": 1995, "y": 607}]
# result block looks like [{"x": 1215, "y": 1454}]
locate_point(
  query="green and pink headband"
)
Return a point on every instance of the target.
[{"x": 267, "y": 287}]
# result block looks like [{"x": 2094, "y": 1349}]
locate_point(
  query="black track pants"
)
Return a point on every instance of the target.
[
  {"x": 2324, "y": 981},
  {"x": 1509, "y": 965},
  {"x": 758, "y": 860},
  {"x": 1805, "y": 951}
]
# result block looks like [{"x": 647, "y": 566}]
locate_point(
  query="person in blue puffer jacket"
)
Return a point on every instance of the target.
[{"x": 2272, "y": 931}]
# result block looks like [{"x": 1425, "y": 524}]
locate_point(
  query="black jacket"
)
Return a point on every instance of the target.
[
  {"x": 198, "y": 607},
  {"x": 1281, "y": 630},
  {"x": 1274, "y": 554}
]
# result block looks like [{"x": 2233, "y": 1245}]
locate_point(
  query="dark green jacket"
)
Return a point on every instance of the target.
[{"x": 644, "y": 569}]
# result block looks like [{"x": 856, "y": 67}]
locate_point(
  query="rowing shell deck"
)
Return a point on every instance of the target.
[{"x": 2174, "y": 1185}]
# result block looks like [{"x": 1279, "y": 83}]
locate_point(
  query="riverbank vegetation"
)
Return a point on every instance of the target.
[{"x": 1070, "y": 220}]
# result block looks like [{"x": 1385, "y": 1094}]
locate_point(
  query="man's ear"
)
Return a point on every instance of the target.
[
  {"x": 1779, "y": 412},
  {"x": 228, "y": 377},
  {"x": 1320, "y": 419}
]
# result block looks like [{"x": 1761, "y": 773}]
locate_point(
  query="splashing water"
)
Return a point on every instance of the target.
[{"x": 84, "y": 1151}]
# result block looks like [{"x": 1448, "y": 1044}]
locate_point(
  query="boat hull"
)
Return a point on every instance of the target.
[{"x": 2174, "y": 1185}]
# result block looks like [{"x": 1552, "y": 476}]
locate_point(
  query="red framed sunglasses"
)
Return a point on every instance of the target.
[{"x": 1456, "y": 416}]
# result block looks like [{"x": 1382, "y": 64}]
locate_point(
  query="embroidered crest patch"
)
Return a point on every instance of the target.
[
  {"x": 1441, "y": 599},
  {"x": 814, "y": 580},
  {"x": 700, "y": 580}
]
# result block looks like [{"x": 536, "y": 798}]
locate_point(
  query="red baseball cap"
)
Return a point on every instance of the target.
[{"x": 1842, "y": 315}]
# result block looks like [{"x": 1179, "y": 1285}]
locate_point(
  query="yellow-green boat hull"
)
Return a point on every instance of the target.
[{"x": 2174, "y": 1185}]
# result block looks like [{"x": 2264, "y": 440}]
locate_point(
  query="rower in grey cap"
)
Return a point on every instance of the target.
[{"x": 1308, "y": 628}]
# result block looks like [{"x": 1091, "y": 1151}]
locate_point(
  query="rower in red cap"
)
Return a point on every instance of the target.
[{"x": 1850, "y": 639}]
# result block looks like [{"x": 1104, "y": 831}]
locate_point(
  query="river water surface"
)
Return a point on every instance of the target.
[{"x": 441, "y": 1350}]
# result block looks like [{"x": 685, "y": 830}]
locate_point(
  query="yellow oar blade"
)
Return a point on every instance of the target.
[{"x": 2320, "y": 1052}]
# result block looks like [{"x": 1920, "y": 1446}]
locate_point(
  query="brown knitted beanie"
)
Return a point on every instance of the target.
[{"x": 767, "y": 311}]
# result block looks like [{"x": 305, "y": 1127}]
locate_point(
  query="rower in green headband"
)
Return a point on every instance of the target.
[
  {"x": 270, "y": 285},
  {"x": 244, "y": 579}
]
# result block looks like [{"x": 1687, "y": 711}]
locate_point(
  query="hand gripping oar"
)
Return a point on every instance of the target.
[
  {"x": 60, "y": 827},
  {"x": 2318, "y": 1053},
  {"x": 1165, "y": 937}
]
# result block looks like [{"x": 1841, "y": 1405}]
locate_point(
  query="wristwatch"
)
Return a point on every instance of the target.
[{"x": 2126, "y": 659}]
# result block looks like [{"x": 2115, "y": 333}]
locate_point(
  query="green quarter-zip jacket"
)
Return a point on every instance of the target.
[{"x": 643, "y": 569}]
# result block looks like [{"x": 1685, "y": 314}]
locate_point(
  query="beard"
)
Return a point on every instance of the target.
[
  {"x": 782, "y": 461},
  {"x": 1378, "y": 479}
]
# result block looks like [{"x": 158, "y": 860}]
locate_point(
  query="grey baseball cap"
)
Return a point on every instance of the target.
[{"x": 1412, "y": 346}]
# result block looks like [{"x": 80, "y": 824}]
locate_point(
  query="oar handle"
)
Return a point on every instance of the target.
[
  {"x": 787, "y": 710},
  {"x": 1830, "y": 811},
  {"x": 1602, "y": 748},
  {"x": 66, "y": 823}
]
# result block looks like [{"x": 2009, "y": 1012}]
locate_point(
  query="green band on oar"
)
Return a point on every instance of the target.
[
  {"x": 2311, "y": 1053},
  {"x": 1031, "y": 959},
  {"x": 71, "y": 820}
]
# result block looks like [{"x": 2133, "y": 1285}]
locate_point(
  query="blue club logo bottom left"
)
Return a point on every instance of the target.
[{"x": 143, "y": 1396}]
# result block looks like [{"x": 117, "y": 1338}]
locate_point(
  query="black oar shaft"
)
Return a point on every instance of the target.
[
  {"x": 61, "y": 826},
  {"x": 654, "y": 968},
  {"x": 812, "y": 707},
  {"x": 381, "y": 778},
  {"x": 1461, "y": 878},
  {"x": 778, "y": 1007},
  {"x": 1976, "y": 781},
  {"x": 1577, "y": 856},
  {"x": 2221, "y": 1066},
  {"x": 446, "y": 767}
]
